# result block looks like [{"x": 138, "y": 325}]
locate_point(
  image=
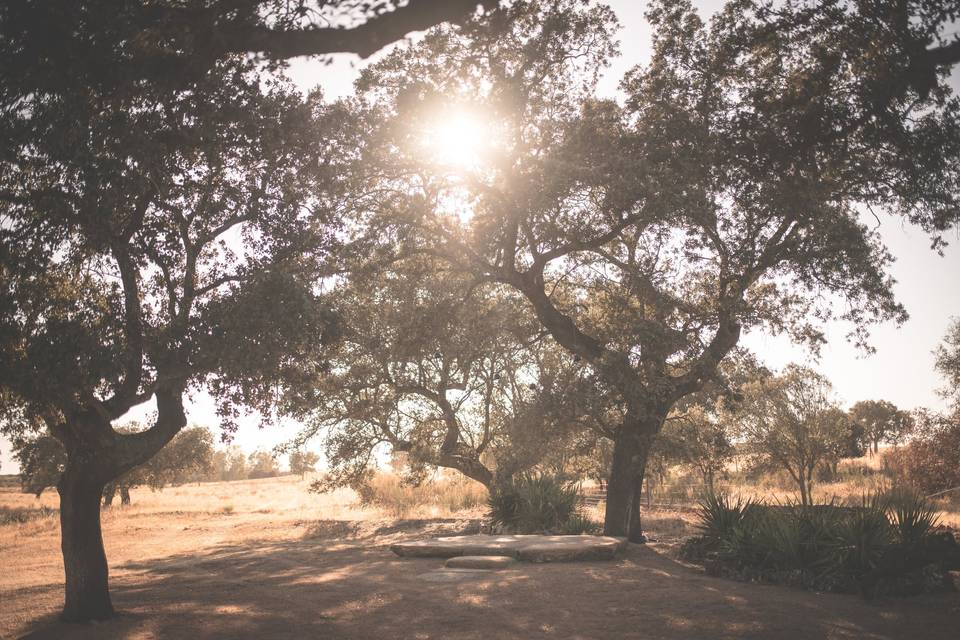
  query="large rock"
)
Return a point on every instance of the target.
[
  {"x": 533, "y": 548},
  {"x": 492, "y": 563},
  {"x": 568, "y": 551}
]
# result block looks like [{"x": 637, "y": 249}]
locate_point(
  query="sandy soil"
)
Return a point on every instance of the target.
[{"x": 280, "y": 563}]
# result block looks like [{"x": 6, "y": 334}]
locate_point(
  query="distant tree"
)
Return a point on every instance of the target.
[
  {"x": 880, "y": 421},
  {"x": 697, "y": 438},
  {"x": 42, "y": 461},
  {"x": 931, "y": 459},
  {"x": 229, "y": 464},
  {"x": 431, "y": 363},
  {"x": 187, "y": 456},
  {"x": 262, "y": 464},
  {"x": 792, "y": 422},
  {"x": 948, "y": 362},
  {"x": 303, "y": 462}
]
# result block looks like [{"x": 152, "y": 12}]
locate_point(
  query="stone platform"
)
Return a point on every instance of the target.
[{"x": 530, "y": 548}]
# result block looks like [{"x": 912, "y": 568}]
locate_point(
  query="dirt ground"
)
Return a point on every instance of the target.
[{"x": 264, "y": 559}]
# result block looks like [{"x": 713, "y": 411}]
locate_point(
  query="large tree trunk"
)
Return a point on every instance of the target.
[
  {"x": 620, "y": 487},
  {"x": 630, "y": 451},
  {"x": 84, "y": 560}
]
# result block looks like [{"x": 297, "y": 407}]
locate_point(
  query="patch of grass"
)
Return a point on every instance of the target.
[
  {"x": 445, "y": 495},
  {"x": 20, "y": 515}
]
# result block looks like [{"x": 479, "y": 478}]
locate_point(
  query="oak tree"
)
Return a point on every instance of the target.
[
  {"x": 727, "y": 195},
  {"x": 792, "y": 422},
  {"x": 152, "y": 242}
]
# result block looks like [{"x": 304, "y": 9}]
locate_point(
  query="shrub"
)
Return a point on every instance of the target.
[
  {"x": 579, "y": 524},
  {"x": 20, "y": 515},
  {"x": 533, "y": 503},
  {"x": 912, "y": 517},
  {"x": 929, "y": 461},
  {"x": 719, "y": 515},
  {"x": 883, "y": 544}
]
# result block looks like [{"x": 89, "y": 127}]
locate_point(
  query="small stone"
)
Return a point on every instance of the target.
[{"x": 480, "y": 562}]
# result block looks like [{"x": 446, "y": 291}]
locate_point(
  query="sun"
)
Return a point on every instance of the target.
[{"x": 456, "y": 139}]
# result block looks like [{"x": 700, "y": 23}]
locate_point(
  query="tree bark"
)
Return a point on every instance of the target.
[
  {"x": 87, "y": 596},
  {"x": 620, "y": 486},
  {"x": 630, "y": 451},
  {"x": 124, "y": 495}
]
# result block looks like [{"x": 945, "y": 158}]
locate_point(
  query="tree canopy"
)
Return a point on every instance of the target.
[
  {"x": 727, "y": 195},
  {"x": 792, "y": 422},
  {"x": 153, "y": 242}
]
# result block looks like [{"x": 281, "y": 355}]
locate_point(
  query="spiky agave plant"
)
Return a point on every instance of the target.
[
  {"x": 719, "y": 514},
  {"x": 913, "y": 518}
]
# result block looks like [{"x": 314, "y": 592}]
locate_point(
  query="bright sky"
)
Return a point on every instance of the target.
[{"x": 900, "y": 371}]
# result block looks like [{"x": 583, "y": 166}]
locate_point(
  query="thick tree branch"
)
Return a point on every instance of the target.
[{"x": 364, "y": 40}]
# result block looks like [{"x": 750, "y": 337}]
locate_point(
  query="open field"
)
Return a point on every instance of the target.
[{"x": 266, "y": 559}]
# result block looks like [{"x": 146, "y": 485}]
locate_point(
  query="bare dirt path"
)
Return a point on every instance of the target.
[
  {"x": 337, "y": 589},
  {"x": 268, "y": 575}
]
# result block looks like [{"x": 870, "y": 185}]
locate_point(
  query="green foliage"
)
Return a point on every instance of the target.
[
  {"x": 948, "y": 362},
  {"x": 883, "y": 544},
  {"x": 720, "y": 514},
  {"x": 792, "y": 422},
  {"x": 533, "y": 503},
  {"x": 303, "y": 462},
  {"x": 912, "y": 516},
  {"x": 579, "y": 524},
  {"x": 931, "y": 460}
]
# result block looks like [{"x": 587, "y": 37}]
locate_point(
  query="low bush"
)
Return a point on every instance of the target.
[
  {"x": 579, "y": 524},
  {"x": 534, "y": 503},
  {"x": 884, "y": 544}
]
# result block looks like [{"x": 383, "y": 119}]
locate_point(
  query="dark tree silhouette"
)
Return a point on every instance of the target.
[{"x": 151, "y": 242}]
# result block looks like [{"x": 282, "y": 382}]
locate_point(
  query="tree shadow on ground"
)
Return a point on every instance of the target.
[{"x": 351, "y": 587}]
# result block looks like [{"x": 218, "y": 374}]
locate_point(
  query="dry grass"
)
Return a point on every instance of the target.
[
  {"x": 856, "y": 478},
  {"x": 444, "y": 495}
]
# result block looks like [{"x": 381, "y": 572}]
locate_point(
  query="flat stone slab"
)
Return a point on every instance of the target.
[
  {"x": 492, "y": 563},
  {"x": 453, "y": 575},
  {"x": 531, "y": 548}
]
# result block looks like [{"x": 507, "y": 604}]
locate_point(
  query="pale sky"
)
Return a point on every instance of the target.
[{"x": 900, "y": 371}]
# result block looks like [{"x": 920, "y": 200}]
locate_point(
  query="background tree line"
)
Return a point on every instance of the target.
[{"x": 189, "y": 457}]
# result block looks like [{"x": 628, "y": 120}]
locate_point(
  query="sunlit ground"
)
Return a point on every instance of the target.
[{"x": 265, "y": 558}]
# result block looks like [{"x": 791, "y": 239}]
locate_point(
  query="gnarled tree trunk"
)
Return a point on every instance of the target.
[
  {"x": 630, "y": 450},
  {"x": 96, "y": 456},
  {"x": 87, "y": 596}
]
